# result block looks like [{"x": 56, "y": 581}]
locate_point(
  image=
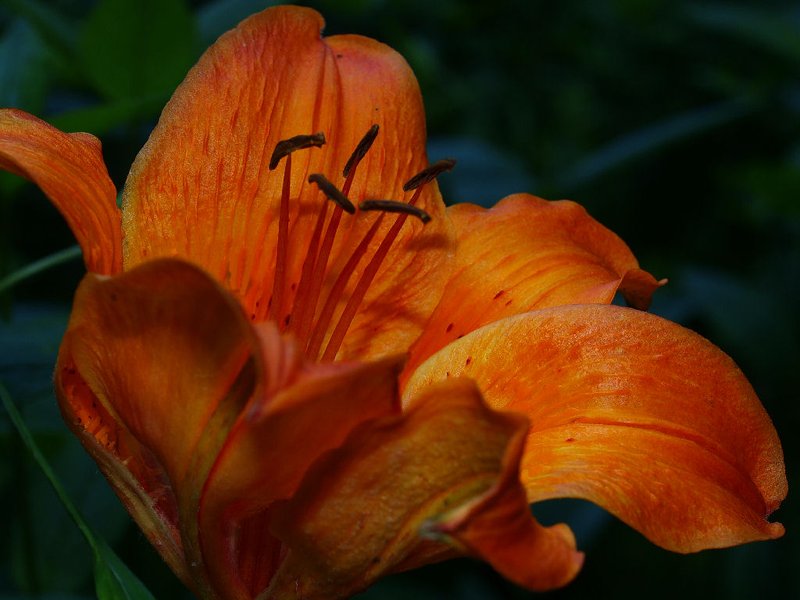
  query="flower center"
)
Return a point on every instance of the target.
[{"x": 310, "y": 316}]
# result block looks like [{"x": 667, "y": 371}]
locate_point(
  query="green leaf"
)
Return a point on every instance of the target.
[
  {"x": 768, "y": 29},
  {"x": 55, "y": 29},
  {"x": 747, "y": 318},
  {"x": 650, "y": 139},
  {"x": 23, "y": 76},
  {"x": 113, "y": 579},
  {"x": 484, "y": 175},
  {"x": 134, "y": 48},
  {"x": 102, "y": 118}
]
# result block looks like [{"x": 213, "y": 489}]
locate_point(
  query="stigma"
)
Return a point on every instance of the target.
[{"x": 319, "y": 309}]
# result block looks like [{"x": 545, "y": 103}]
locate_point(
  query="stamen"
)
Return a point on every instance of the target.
[
  {"x": 361, "y": 150},
  {"x": 308, "y": 308},
  {"x": 298, "y": 142},
  {"x": 429, "y": 174},
  {"x": 301, "y": 320},
  {"x": 308, "y": 287},
  {"x": 332, "y": 192},
  {"x": 416, "y": 183},
  {"x": 284, "y": 148},
  {"x": 393, "y": 206},
  {"x": 283, "y": 241}
]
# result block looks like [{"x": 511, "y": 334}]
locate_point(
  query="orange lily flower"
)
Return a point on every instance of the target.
[{"x": 294, "y": 396}]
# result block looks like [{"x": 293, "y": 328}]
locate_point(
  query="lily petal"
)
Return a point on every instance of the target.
[
  {"x": 269, "y": 450},
  {"x": 378, "y": 86},
  {"x": 633, "y": 412},
  {"x": 200, "y": 188},
  {"x": 69, "y": 169},
  {"x": 168, "y": 354},
  {"x": 523, "y": 254},
  {"x": 135, "y": 475},
  {"x": 498, "y": 528},
  {"x": 364, "y": 510}
]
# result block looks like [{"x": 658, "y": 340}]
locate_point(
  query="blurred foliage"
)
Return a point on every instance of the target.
[{"x": 676, "y": 122}]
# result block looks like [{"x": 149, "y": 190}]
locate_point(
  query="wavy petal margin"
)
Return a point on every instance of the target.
[
  {"x": 525, "y": 254},
  {"x": 633, "y": 412},
  {"x": 386, "y": 496},
  {"x": 171, "y": 359},
  {"x": 269, "y": 450},
  {"x": 69, "y": 169}
]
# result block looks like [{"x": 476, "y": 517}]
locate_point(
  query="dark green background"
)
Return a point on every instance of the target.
[{"x": 675, "y": 123}]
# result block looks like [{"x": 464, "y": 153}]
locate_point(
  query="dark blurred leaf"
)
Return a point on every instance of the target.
[
  {"x": 54, "y": 596},
  {"x": 23, "y": 78},
  {"x": 134, "y": 48},
  {"x": 650, "y": 139},
  {"x": 102, "y": 118},
  {"x": 37, "y": 267},
  {"x": 773, "y": 191},
  {"x": 113, "y": 579},
  {"x": 32, "y": 335},
  {"x": 9, "y": 185},
  {"x": 483, "y": 174},
  {"x": 55, "y": 28},
  {"x": 217, "y": 17},
  {"x": 778, "y": 33},
  {"x": 756, "y": 325}
]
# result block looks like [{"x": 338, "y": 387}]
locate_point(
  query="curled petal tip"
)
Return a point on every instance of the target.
[{"x": 638, "y": 286}]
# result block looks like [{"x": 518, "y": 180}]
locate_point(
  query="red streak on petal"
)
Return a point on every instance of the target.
[{"x": 367, "y": 277}]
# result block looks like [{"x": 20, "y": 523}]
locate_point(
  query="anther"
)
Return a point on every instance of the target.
[
  {"x": 429, "y": 174},
  {"x": 298, "y": 142},
  {"x": 361, "y": 150},
  {"x": 395, "y": 207},
  {"x": 332, "y": 192}
]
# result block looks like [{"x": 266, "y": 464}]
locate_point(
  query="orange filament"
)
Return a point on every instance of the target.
[
  {"x": 349, "y": 313},
  {"x": 326, "y": 315},
  {"x": 309, "y": 325},
  {"x": 283, "y": 238},
  {"x": 309, "y": 306},
  {"x": 301, "y": 320}
]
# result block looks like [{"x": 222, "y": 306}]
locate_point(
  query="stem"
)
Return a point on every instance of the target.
[
  {"x": 36, "y": 267},
  {"x": 30, "y": 443}
]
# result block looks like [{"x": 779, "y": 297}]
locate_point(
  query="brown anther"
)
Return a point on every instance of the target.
[
  {"x": 298, "y": 142},
  {"x": 332, "y": 192},
  {"x": 361, "y": 150},
  {"x": 393, "y": 206},
  {"x": 429, "y": 174}
]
